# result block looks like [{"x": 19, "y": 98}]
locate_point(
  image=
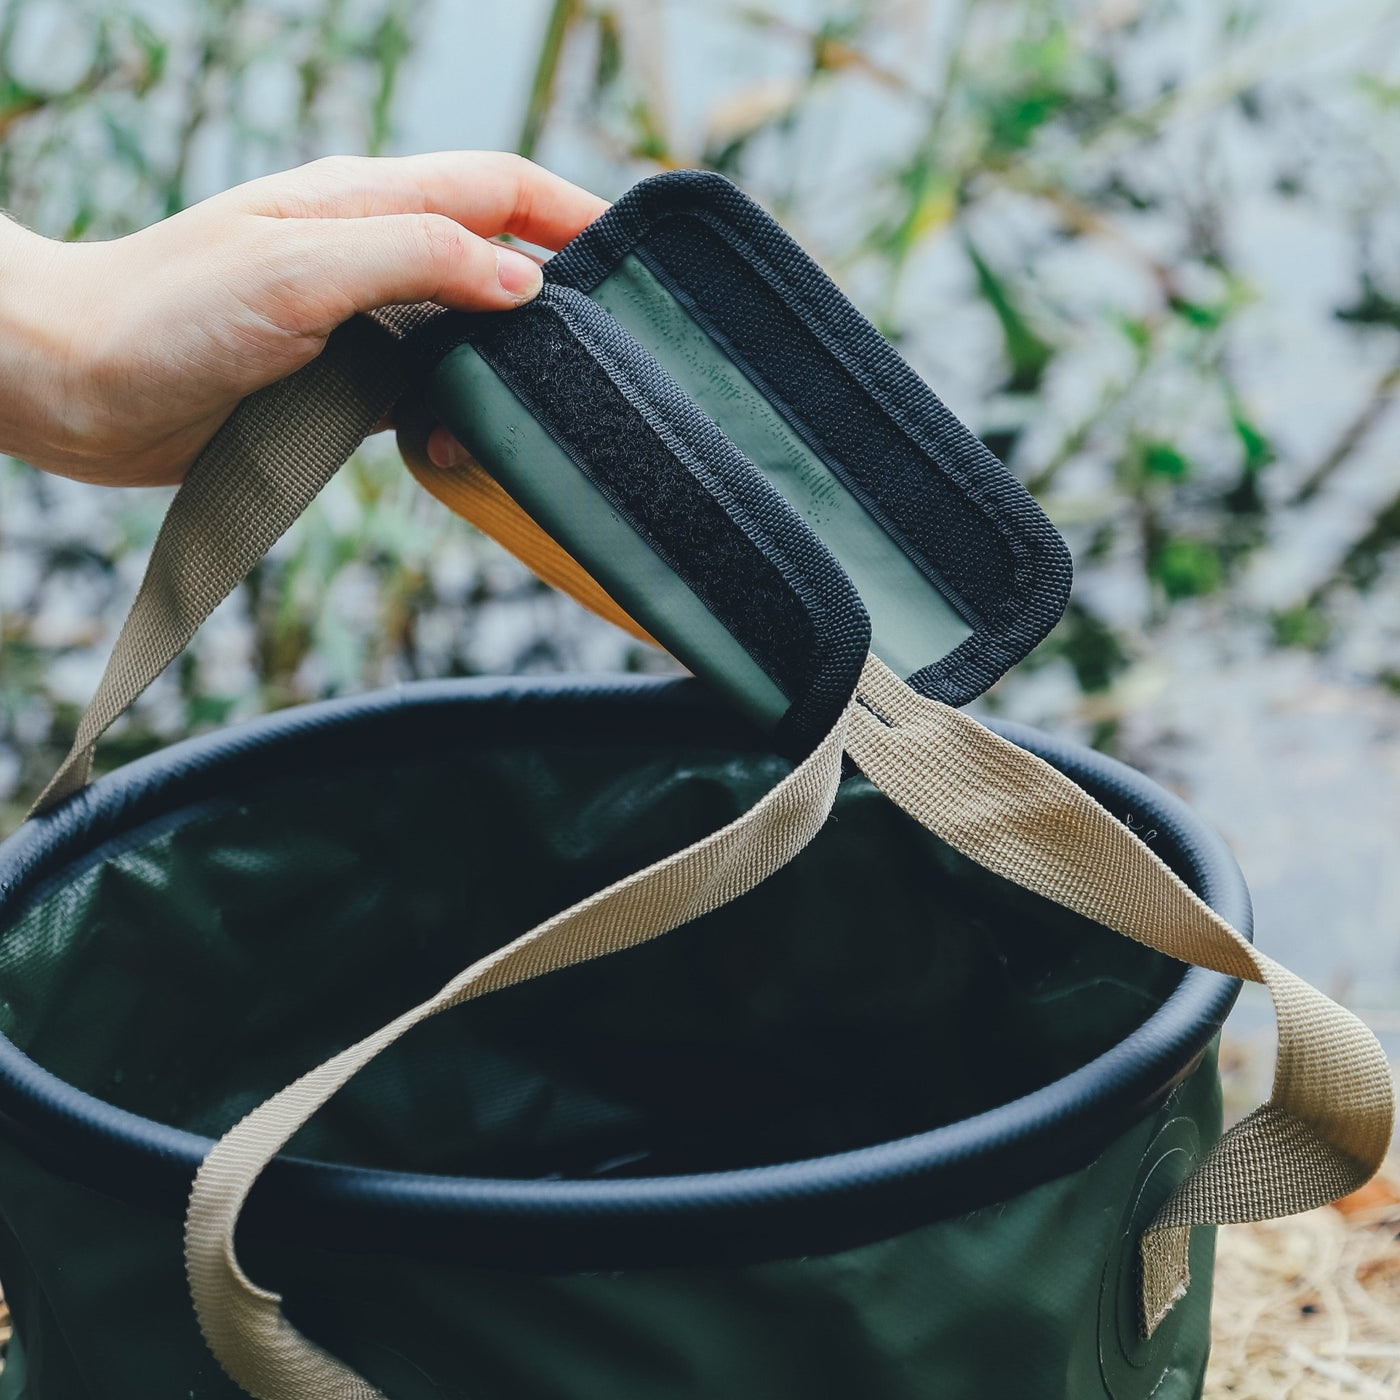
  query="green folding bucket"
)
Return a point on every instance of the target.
[
  {"x": 888, "y": 1126},
  {"x": 779, "y": 1034}
]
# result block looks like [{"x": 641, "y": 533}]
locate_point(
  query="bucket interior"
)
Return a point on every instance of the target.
[{"x": 878, "y": 987}]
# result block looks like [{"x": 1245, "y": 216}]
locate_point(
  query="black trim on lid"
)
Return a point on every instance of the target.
[{"x": 782, "y": 1211}]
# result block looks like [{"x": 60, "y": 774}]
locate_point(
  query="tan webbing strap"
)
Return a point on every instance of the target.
[
  {"x": 1323, "y": 1133},
  {"x": 243, "y": 1323},
  {"x": 259, "y": 472},
  {"x": 1327, "y": 1125}
]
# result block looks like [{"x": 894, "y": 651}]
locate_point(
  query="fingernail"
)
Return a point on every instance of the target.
[
  {"x": 517, "y": 274},
  {"x": 445, "y": 451}
]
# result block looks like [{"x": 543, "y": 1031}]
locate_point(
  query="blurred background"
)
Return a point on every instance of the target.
[{"x": 1148, "y": 249}]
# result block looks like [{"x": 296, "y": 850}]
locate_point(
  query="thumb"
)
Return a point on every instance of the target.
[{"x": 341, "y": 266}]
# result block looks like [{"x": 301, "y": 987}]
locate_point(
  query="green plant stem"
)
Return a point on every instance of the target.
[{"x": 541, "y": 100}]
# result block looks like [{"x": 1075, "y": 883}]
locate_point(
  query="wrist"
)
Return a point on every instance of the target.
[{"x": 36, "y": 352}]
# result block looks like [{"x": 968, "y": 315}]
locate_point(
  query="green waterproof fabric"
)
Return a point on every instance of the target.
[
  {"x": 1022, "y": 1301},
  {"x": 192, "y": 970}
]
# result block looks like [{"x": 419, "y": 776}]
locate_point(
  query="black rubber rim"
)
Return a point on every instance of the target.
[{"x": 795, "y": 1208}]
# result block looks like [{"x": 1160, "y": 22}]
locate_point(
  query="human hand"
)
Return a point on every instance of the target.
[{"x": 119, "y": 360}]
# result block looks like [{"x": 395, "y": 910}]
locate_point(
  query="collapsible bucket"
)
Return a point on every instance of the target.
[
  {"x": 889, "y": 1126},
  {"x": 822, "y": 1040}
]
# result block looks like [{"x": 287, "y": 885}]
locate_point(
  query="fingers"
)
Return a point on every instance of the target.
[
  {"x": 488, "y": 192},
  {"x": 332, "y": 268},
  {"x": 445, "y": 451}
]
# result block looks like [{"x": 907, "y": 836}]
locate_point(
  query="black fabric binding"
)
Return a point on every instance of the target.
[
  {"x": 972, "y": 528},
  {"x": 793, "y": 1209},
  {"x": 705, "y": 509}
]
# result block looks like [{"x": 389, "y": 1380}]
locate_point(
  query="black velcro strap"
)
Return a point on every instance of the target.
[{"x": 686, "y": 490}]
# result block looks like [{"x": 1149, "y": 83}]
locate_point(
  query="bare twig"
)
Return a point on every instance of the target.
[
  {"x": 830, "y": 53},
  {"x": 1352, "y": 436},
  {"x": 1077, "y": 438}
]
